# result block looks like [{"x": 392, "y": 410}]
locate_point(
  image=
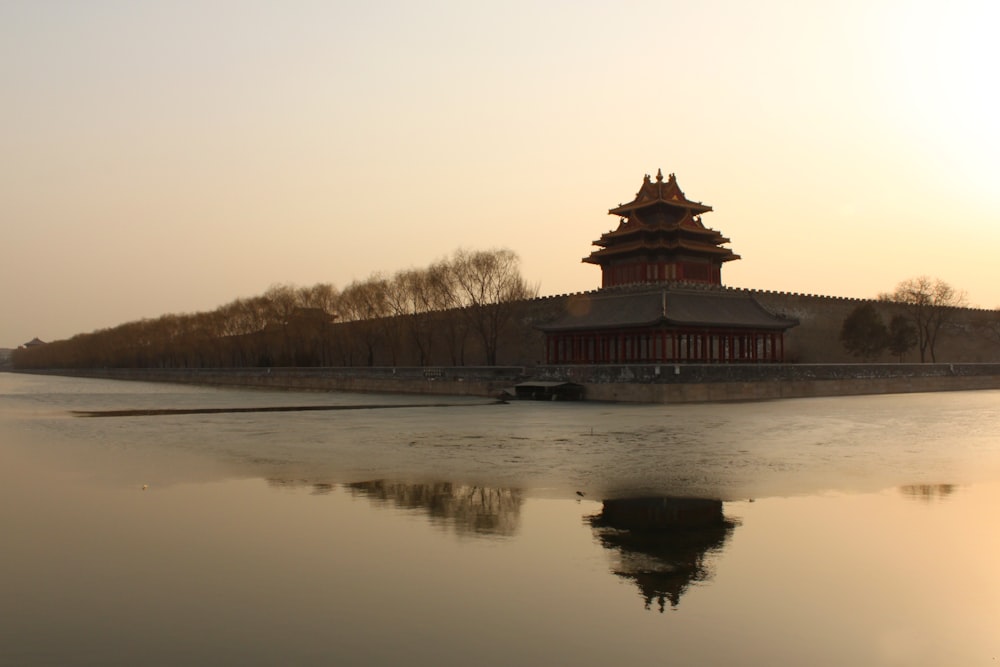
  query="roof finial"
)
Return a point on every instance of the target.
[{"x": 659, "y": 175}]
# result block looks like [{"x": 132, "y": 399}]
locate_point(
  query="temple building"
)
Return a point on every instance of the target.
[
  {"x": 661, "y": 298},
  {"x": 661, "y": 238}
]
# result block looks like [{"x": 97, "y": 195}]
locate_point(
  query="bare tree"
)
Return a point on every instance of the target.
[
  {"x": 489, "y": 285},
  {"x": 281, "y": 302},
  {"x": 929, "y": 303},
  {"x": 323, "y": 302},
  {"x": 363, "y": 302},
  {"x": 408, "y": 300},
  {"x": 444, "y": 298},
  {"x": 241, "y": 327}
]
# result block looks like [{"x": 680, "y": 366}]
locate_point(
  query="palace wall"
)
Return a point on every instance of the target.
[{"x": 816, "y": 339}]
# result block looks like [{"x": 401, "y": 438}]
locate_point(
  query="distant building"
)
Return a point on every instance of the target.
[
  {"x": 662, "y": 298},
  {"x": 34, "y": 342}
]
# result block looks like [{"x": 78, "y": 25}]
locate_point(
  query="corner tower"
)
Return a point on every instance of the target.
[{"x": 660, "y": 238}]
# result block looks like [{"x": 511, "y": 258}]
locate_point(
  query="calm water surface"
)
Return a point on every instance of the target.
[{"x": 847, "y": 531}]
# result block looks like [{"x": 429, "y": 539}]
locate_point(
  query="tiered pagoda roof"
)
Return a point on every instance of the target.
[
  {"x": 673, "y": 306},
  {"x": 661, "y": 238}
]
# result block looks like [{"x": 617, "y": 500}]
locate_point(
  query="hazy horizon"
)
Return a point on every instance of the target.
[{"x": 172, "y": 157}]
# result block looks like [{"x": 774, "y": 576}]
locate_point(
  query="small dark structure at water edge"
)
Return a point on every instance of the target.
[{"x": 549, "y": 391}]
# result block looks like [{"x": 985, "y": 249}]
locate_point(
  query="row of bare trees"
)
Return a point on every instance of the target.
[{"x": 421, "y": 316}]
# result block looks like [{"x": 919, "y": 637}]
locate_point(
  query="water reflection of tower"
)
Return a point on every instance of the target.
[{"x": 662, "y": 544}]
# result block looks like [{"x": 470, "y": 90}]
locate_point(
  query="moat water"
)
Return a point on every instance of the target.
[{"x": 841, "y": 531}]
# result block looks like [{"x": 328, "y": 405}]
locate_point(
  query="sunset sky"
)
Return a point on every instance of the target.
[{"x": 167, "y": 157}]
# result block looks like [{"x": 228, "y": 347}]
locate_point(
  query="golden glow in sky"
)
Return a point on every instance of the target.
[{"x": 173, "y": 156}]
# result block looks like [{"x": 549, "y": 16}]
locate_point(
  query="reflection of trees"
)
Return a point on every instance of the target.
[
  {"x": 469, "y": 509},
  {"x": 662, "y": 543},
  {"x": 928, "y": 492},
  {"x": 318, "y": 488}
]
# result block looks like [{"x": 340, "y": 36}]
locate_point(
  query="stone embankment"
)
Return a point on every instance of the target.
[
  {"x": 686, "y": 383},
  {"x": 652, "y": 383}
]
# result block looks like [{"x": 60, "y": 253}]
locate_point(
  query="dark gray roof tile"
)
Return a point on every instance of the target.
[{"x": 666, "y": 306}]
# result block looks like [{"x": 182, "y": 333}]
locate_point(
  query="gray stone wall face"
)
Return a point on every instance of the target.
[{"x": 817, "y": 338}]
